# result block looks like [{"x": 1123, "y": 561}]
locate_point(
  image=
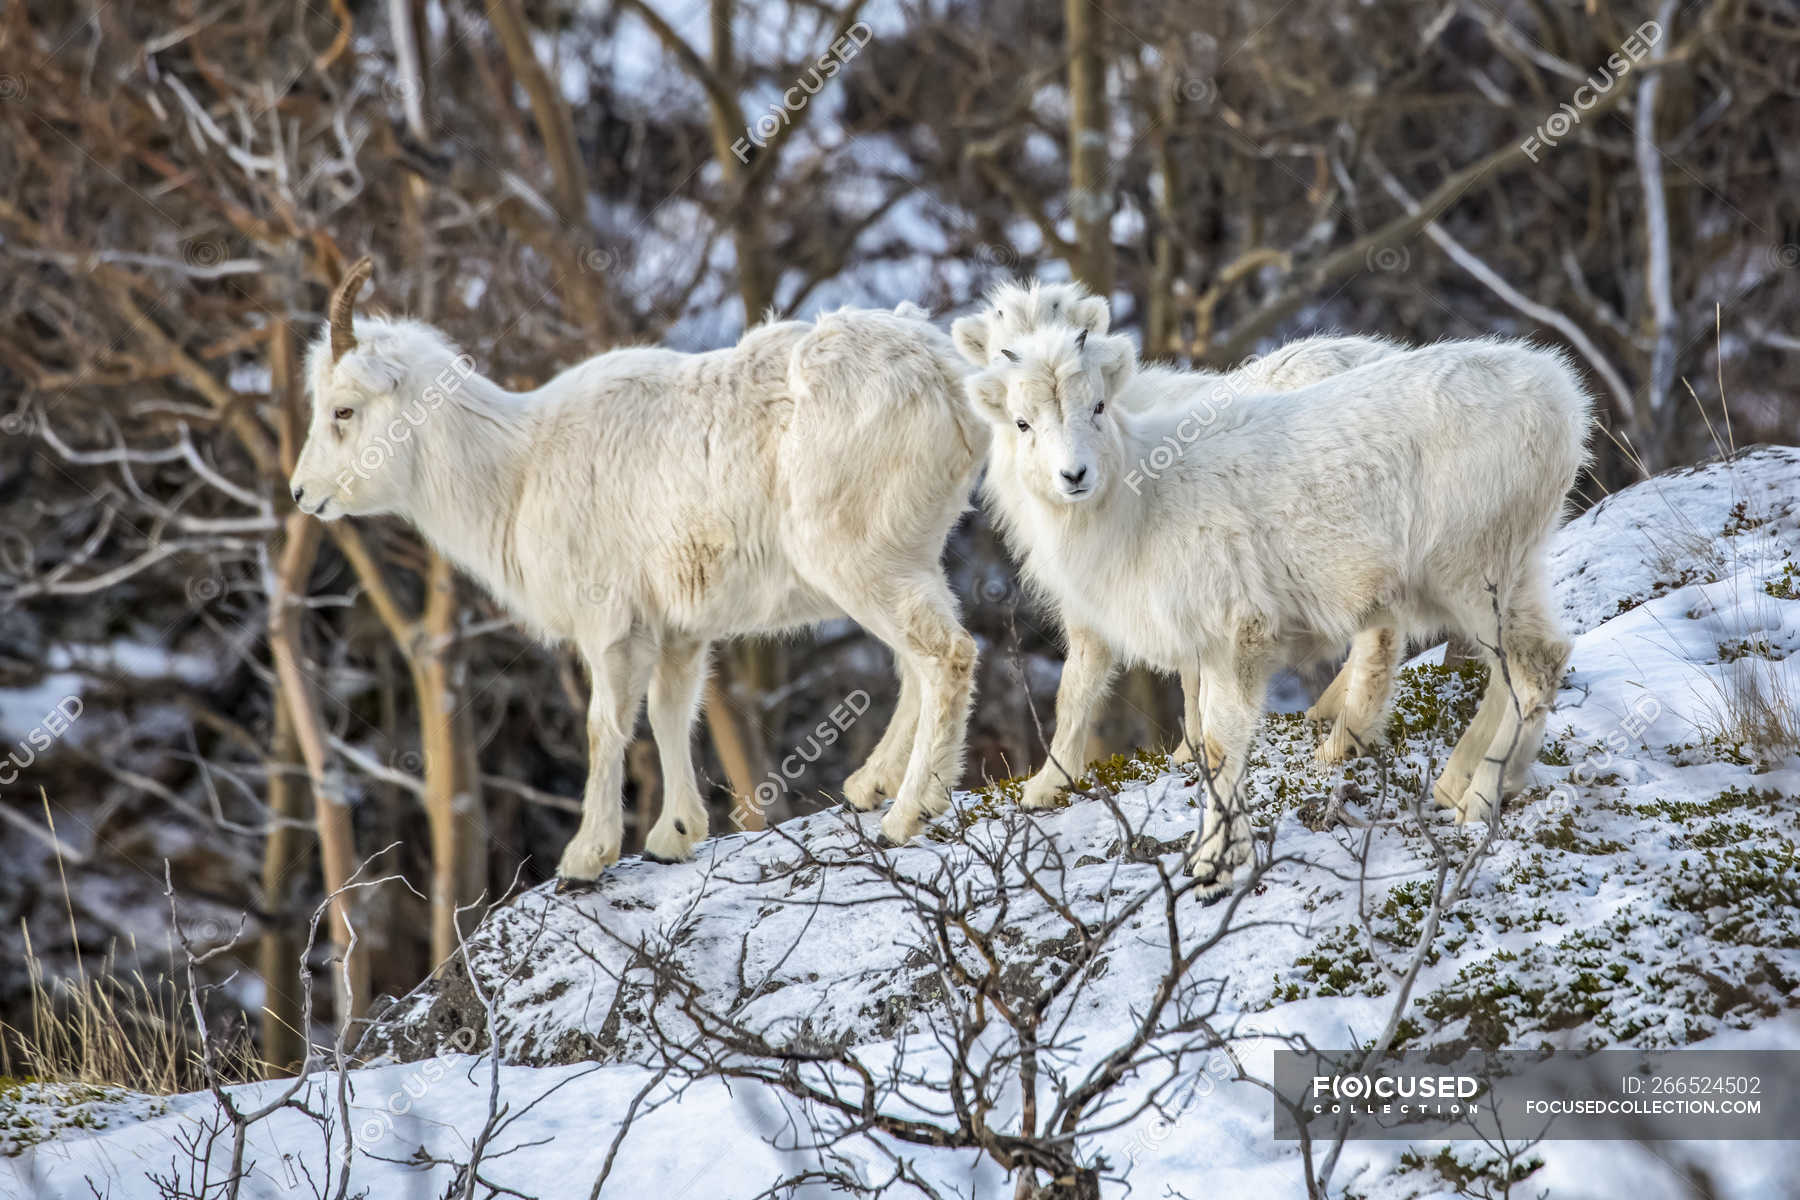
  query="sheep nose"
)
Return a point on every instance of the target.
[
  {"x": 1074, "y": 478},
  {"x": 298, "y": 492}
]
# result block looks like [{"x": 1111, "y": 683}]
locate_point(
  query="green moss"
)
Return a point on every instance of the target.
[
  {"x": 1749, "y": 895},
  {"x": 1400, "y": 921},
  {"x": 1564, "y": 835},
  {"x": 1740, "y": 521},
  {"x": 1480, "y": 1173},
  {"x": 1122, "y": 770},
  {"x": 1435, "y": 700},
  {"x": 994, "y": 797},
  {"x": 1556, "y": 752},
  {"x": 1785, "y": 586},
  {"x": 1339, "y": 964},
  {"x": 984, "y": 804},
  {"x": 1756, "y": 647},
  {"x": 1730, "y": 800}
]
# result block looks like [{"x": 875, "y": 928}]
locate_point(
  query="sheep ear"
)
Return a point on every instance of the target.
[
  {"x": 971, "y": 337},
  {"x": 371, "y": 370},
  {"x": 987, "y": 392},
  {"x": 1117, "y": 359},
  {"x": 1091, "y": 313}
]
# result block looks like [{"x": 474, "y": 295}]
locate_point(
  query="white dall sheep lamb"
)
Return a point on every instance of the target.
[
  {"x": 647, "y": 502},
  {"x": 1015, "y": 309},
  {"x": 1412, "y": 494}
]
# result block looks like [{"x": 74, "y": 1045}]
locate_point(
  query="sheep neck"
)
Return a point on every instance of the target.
[{"x": 468, "y": 479}]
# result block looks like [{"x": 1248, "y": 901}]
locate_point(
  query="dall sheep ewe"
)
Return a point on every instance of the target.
[
  {"x": 646, "y": 503},
  {"x": 1018, "y": 308},
  {"x": 1409, "y": 495}
]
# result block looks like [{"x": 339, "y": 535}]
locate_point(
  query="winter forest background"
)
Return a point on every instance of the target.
[{"x": 182, "y": 183}]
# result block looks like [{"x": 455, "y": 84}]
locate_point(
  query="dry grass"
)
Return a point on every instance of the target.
[
  {"x": 1754, "y": 714},
  {"x": 115, "y": 1028}
]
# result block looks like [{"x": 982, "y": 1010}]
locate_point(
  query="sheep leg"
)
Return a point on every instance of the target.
[
  {"x": 885, "y": 770},
  {"x": 1454, "y": 781},
  {"x": 1193, "y": 702},
  {"x": 940, "y": 654},
  {"x": 1330, "y": 703},
  {"x": 674, "y": 701},
  {"x": 1357, "y": 728},
  {"x": 1534, "y": 654},
  {"x": 1087, "y": 669},
  {"x": 619, "y": 671},
  {"x": 1234, "y": 704}
]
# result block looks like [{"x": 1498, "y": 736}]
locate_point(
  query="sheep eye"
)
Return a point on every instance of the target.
[
  {"x": 1023, "y": 427},
  {"x": 1010, "y": 356},
  {"x": 341, "y": 414},
  {"x": 1099, "y": 408}
]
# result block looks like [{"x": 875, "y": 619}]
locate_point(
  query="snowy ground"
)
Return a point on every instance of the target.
[{"x": 1643, "y": 892}]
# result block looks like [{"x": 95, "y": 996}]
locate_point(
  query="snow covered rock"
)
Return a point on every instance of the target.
[{"x": 1643, "y": 890}]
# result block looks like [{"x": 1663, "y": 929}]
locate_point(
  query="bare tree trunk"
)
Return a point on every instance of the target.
[
  {"x": 738, "y": 742},
  {"x": 305, "y": 726},
  {"x": 453, "y": 808},
  {"x": 405, "y": 26},
  {"x": 1090, "y": 193},
  {"x": 582, "y": 287},
  {"x": 756, "y": 285},
  {"x": 331, "y": 811},
  {"x": 1658, "y": 425},
  {"x": 548, "y": 110},
  {"x": 1160, "y": 320},
  {"x": 284, "y": 856},
  {"x": 284, "y": 853}
]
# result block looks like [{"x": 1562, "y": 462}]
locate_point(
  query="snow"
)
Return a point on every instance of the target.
[{"x": 1641, "y": 892}]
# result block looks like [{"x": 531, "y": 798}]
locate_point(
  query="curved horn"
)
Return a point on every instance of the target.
[{"x": 343, "y": 335}]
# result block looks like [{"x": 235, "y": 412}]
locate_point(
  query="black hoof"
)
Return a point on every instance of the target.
[
  {"x": 657, "y": 858},
  {"x": 1209, "y": 899},
  {"x": 575, "y": 887}
]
